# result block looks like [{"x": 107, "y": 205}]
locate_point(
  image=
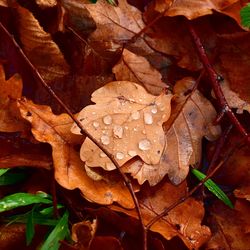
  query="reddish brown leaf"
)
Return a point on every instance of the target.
[
  {"x": 137, "y": 69},
  {"x": 69, "y": 169},
  {"x": 181, "y": 221}
]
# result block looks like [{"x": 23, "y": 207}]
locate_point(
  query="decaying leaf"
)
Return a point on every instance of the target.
[
  {"x": 230, "y": 227},
  {"x": 127, "y": 121},
  {"x": 10, "y": 91},
  {"x": 134, "y": 68},
  {"x": 38, "y": 45},
  {"x": 192, "y": 9},
  {"x": 182, "y": 221},
  {"x": 69, "y": 169},
  {"x": 243, "y": 192}
]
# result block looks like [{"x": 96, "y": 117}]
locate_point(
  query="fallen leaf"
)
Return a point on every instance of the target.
[
  {"x": 83, "y": 234},
  {"x": 46, "y": 3},
  {"x": 134, "y": 68},
  {"x": 127, "y": 121},
  {"x": 192, "y": 9},
  {"x": 235, "y": 50},
  {"x": 188, "y": 124},
  {"x": 10, "y": 91},
  {"x": 243, "y": 192},
  {"x": 181, "y": 221},
  {"x": 3, "y": 3},
  {"x": 69, "y": 169},
  {"x": 39, "y": 47},
  {"x": 230, "y": 227},
  {"x": 105, "y": 242},
  {"x": 233, "y": 99}
]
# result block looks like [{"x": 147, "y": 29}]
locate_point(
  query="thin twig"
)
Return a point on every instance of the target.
[
  {"x": 214, "y": 80},
  {"x": 83, "y": 131}
]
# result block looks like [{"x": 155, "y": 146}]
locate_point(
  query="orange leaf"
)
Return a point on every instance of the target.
[{"x": 69, "y": 169}]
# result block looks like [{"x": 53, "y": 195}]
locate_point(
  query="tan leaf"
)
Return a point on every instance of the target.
[
  {"x": 127, "y": 121},
  {"x": 137, "y": 69},
  {"x": 10, "y": 91},
  {"x": 69, "y": 169},
  {"x": 39, "y": 47},
  {"x": 46, "y": 3},
  {"x": 184, "y": 131},
  {"x": 192, "y": 9},
  {"x": 243, "y": 192},
  {"x": 182, "y": 221}
]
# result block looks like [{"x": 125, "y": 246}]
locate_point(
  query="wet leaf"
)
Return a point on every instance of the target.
[
  {"x": 69, "y": 169},
  {"x": 127, "y": 121}
]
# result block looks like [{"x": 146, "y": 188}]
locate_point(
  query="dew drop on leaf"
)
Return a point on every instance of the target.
[
  {"x": 107, "y": 119},
  {"x": 144, "y": 145},
  {"x": 96, "y": 124},
  {"x": 148, "y": 119},
  {"x": 105, "y": 139},
  {"x": 119, "y": 155},
  {"x": 118, "y": 131},
  {"x": 135, "y": 115}
]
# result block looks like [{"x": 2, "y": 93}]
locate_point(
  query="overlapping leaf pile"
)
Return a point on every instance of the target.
[{"x": 138, "y": 97}]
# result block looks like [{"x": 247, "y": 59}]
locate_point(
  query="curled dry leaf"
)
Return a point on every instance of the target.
[
  {"x": 182, "y": 221},
  {"x": 127, "y": 121},
  {"x": 39, "y": 47},
  {"x": 134, "y": 68},
  {"x": 230, "y": 227},
  {"x": 192, "y": 9},
  {"x": 69, "y": 169},
  {"x": 10, "y": 91},
  {"x": 243, "y": 192},
  {"x": 190, "y": 121}
]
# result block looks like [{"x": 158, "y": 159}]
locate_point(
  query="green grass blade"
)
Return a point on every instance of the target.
[
  {"x": 213, "y": 187},
  {"x": 58, "y": 233},
  {"x": 30, "y": 226},
  {"x": 21, "y": 199},
  {"x": 3, "y": 171},
  {"x": 49, "y": 210},
  {"x": 245, "y": 16}
]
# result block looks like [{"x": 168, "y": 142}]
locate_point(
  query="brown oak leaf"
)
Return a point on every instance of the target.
[
  {"x": 39, "y": 47},
  {"x": 182, "y": 221},
  {"x": 134, "y": 68},
  {"x": 69, "y": 169},
  {"x": 127, "y": 121},
  {"x": 10, "y": 91},
  {"x": 190, "y": 121}
]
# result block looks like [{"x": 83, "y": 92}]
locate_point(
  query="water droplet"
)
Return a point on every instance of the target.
[
  {"x": 93, "y": 113},
  {"x": 132, "y": 153},
  {"x": 107, "y": 119},
  {"x": 105, "y": 139},
  {"x": 118, "y": 131},
  {"x": 154, "y": 110},
  {"x": 143, "y": 131},
  {"x": 135, "y": 115},
  {"x": 144, "y": 145},
  {"x": 102, "y": 155},
  {"x": 126, "y": 127},
  {"x": 148, "y": 119},
  {"x": 119, "y": 155},
  {"x": 96, "y": 124},
  {"x": 164, "y": 116},
  {"x": 135, "y": 129}
]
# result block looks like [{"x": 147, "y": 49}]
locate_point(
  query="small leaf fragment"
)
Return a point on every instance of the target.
[{"x": 213, "y": 188}]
